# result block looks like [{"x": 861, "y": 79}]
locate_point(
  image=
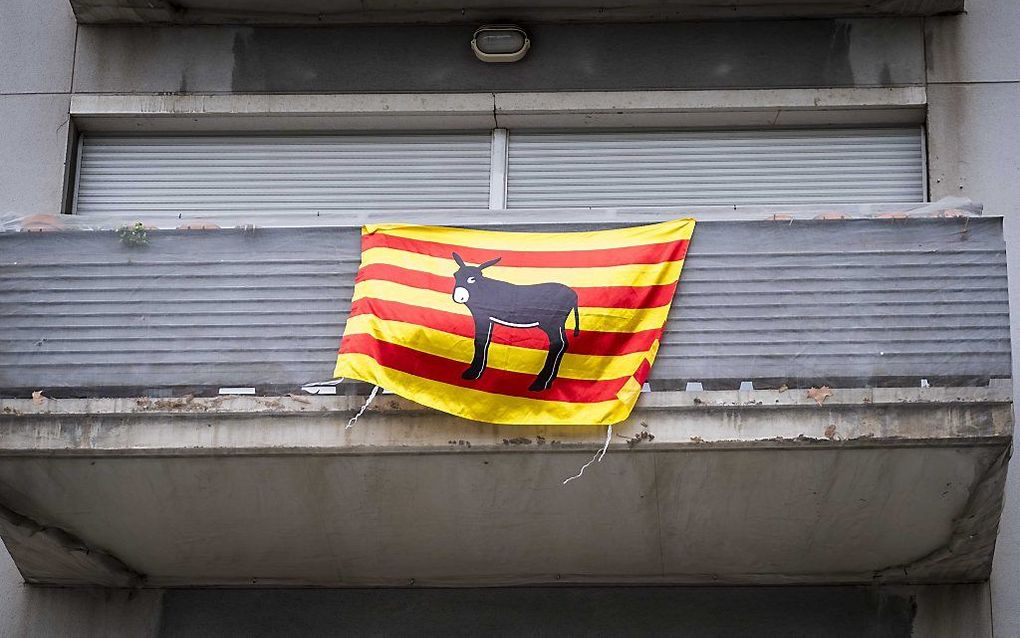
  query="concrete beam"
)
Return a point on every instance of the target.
[
  {"x": 598, "y": 109},
  {"x": 945, "y": 207},
  {"x": 708, "y": 420},
  {"x": 251, "y": 112},
  {"x": 318, "y": 12},
  {"x": 713, "y": 108},
  {"x": 882, "y": 485}
]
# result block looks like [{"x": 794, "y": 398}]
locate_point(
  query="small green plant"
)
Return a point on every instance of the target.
[{"x": 133, "y": 235}]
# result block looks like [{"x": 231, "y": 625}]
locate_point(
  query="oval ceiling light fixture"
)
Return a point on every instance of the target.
[{"x": 500, "y": 43}]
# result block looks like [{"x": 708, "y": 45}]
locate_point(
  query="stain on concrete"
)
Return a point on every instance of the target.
[{"x": 411, "y": 58}]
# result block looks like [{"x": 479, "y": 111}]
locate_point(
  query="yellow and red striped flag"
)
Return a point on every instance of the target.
[{"x": 513, "y": 327}]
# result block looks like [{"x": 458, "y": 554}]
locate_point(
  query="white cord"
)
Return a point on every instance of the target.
[
  {"x": 324, "y": 383},
  {"x": 354, "y": 419},
  {"x": 322, "y": 387},
  {"x": 595, "y": 459}
]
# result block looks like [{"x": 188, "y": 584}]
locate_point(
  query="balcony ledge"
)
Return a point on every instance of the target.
[
  {"x": 897, "y": 485},
  {"x": 679, "y": 420}
]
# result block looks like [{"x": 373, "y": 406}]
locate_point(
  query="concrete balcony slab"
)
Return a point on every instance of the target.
[{"x": 887, "y": 485}]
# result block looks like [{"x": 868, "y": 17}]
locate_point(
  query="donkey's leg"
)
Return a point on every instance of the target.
[
  {"x": 557, "y": 348},
  {"x": 483, "y": 337}
]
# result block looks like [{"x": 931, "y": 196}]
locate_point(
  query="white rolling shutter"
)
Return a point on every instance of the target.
[
  {"x": 135, "y": 176},
  {"x": 656, "y": 168}
]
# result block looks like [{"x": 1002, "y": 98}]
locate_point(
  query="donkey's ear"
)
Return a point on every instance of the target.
[
  {"x": 491, "y": 262},
  {"x": 456, "y": 258}
]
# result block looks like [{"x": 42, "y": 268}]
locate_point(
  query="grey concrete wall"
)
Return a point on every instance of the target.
[
  {"x": 973, "y": 79},
  {"x": 830, "y": 53},
  {"x": 27, "y": 611},
  {"x": 953, "y": 611},
  {"x": 37, "y": 41}
]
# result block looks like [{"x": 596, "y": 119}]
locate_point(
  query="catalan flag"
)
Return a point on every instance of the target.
[{"x": 513, "y": 327}]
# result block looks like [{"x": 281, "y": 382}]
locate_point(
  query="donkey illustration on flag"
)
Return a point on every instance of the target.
[{"x": 490, "y": 301}]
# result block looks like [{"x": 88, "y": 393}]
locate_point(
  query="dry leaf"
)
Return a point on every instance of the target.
[
  {"x": 830, "y": 432},
  {"x": 38, "y": 398},
  {"x": 819, "y": 394},
  {"x": 783, "y": 388}
]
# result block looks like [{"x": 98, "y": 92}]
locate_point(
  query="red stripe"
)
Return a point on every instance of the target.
[
  {"x": 580, "y": 258},
  {"x": 591, "y": 296},
  {"x": 641, "y": 375},
  {"x": 589, "y": 342},
  {"x": 494, "y": 381}
]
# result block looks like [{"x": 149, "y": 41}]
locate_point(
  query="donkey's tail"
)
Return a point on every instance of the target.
[{"x": 577, "y": 322}]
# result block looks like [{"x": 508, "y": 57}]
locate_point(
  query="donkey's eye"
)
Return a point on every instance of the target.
[{"x": 471, "y": 280}]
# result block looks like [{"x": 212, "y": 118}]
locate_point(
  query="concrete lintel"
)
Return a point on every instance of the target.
[
  {"x": 479, "y": 218},
  {"x": 729, "y": 107},
  {"x": 996, "y": 392},
  {"x": 251, "y": 112},
  {"x": 676, "y": 420}
]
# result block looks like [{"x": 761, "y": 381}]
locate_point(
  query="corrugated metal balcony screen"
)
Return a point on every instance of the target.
[
  {"x": 132, "y": 176},
  {"x": 656, "y": 168},
  {"x": 843, "y": 302}
]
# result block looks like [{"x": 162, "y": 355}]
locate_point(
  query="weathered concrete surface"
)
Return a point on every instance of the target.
[
  {"x": 679, "y": 420},
  {"x": 973, "y": 89},
  {"x": 951, "y": 611},
  {"x": 34, "y": 141},
  {"x": 980, "y": 158},
  {"x": 734, "y": 487},
  {"x": 37, "y": 42},
  {"x": 460, "y": 111},
  {"x": 980, "y": 47},
  {"x": 36, "y": 57},
  {"x": 28, "y": 611},
  {"x": 764, "y": 108},
  {"x": 349, "y": 11},
  {"x": 276, "y": 113},
  {"x": 52, "y": 552},
  {"x": 564, "y": 57},
  {"x": 488, "y": 518}
]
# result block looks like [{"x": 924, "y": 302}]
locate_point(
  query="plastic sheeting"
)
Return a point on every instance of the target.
[{"x": 801, "y": 302}]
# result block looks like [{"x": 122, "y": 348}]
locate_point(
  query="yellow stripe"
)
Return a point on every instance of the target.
[
  {"x": 501, "y": 357},
  {"x": 501, "y": 240},
  {"x": 628, "y": 275},
  {"x": 482, "y": 406},
  {"x": 592, "y": 318}
]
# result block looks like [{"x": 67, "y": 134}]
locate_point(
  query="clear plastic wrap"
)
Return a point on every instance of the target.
[{"x": 852, "y": 296}]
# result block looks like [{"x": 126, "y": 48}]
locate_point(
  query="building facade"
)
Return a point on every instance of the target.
[{"x": 832, "y": 405}]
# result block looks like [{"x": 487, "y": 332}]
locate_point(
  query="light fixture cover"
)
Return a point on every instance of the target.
[{"x": 500, "y": 43}]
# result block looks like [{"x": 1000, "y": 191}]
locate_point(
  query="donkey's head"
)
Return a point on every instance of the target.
[{"x": 468, "y": 278}]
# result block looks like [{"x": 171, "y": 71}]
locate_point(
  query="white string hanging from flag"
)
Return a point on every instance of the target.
[
  {"x": 595, "y": 459},
  {"x": 322, "y": 387},
  {"x": 368, "y": 401},
  {"x": 312, "y": 387}
]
